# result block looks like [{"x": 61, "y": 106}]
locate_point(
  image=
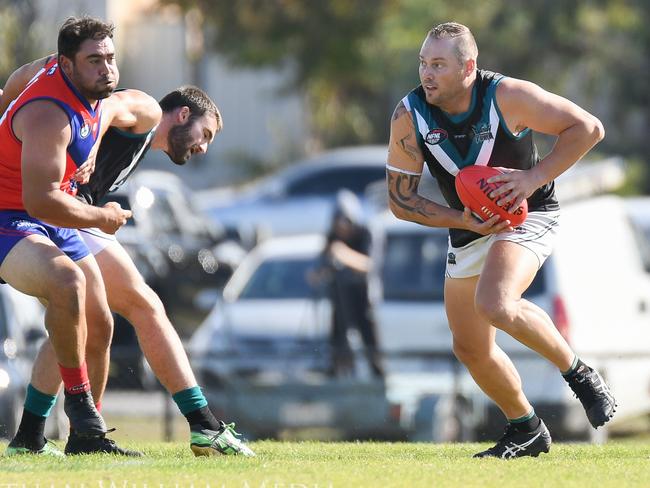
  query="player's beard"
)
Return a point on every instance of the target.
[
  {"x": 179, "y": 142},
  {"x": 99, "y": 90}
]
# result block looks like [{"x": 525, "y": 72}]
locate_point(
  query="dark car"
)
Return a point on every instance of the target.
[{"x": 183, "y": 256}]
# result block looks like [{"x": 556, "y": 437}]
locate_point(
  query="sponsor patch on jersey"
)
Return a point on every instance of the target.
[
  {"x": 25, "y": 225},
  {"x": 436, "y": 136},
  {"x": 482, "y": 132},
  {"x": 85, "y": 130},
  {"x": 51, "y": 71}
]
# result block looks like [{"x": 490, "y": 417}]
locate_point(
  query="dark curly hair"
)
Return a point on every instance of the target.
[{"x": 76, "y": 30}]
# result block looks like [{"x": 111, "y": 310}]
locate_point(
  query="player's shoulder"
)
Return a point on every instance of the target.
[
  {"x": 130, "y": 97},
  {"x": 132, "y": 109},
  {"x": 27, "y": 71},
  {"x": 514, "y": 87},
  {"x": 42, "y": 119},
  {"x": 400, "y": 111}
]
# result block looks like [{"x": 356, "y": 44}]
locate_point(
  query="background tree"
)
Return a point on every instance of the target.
[
  {"x": 354, "y": 59},
  {"x": 17, "y": 21},
  {"x": 325, "y": 44}
]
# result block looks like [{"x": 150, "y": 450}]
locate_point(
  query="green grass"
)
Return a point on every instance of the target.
[{"x": 317, "y": 464}]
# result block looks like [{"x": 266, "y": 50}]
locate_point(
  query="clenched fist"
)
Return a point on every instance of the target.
[{"x": 116, "y": 217}]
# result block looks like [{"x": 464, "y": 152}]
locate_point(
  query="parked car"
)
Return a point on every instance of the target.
[
  {"x": 595, "y": 289},
  {"x": 263, "y": 354},
  {"x": 271, "y": 316},
  {"x": 300, "y": 198}
]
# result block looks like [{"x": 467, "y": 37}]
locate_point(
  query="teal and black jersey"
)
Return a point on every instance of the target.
[
  {"x": 118, "y": 156},
  {"x": 479, "y": 136}
]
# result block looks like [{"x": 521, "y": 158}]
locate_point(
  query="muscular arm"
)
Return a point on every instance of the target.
[
  {"x": 405, "y": 164},
  {"x": 44, "y": 130},
  {"x": 18, "y": 80},
  {"x": 524, "y": 104},
  {"x": 132, "y": 110}
]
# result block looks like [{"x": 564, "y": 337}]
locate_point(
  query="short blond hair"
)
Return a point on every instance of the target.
[{"x": 465, "y": 43}]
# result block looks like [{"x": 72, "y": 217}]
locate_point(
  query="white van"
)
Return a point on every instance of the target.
[{"x": 594, "y": 286}]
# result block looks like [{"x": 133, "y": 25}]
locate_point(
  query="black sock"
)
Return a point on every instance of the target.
[
  {"x": 528, "y": 425},
  {"x": 31, "y": 431},
  {"x": 579, "y": 367},
  {"x": 203, "y": 417}
]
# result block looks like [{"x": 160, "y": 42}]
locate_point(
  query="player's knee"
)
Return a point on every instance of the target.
[
  {"x": 100, "y": 328},
  {"x": 500, "y": 312},
  {"x": 68, "y": 287},
  {"x": 99, "y": 337},
  {"x": 469, "y": 353},
  {"x": 140, "y": 301}
]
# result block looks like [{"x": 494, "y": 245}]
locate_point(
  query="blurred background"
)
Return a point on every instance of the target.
[{"x": 237, "y": 243}]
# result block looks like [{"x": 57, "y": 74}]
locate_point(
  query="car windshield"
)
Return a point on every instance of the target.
[{"x": 281, "y": 278}]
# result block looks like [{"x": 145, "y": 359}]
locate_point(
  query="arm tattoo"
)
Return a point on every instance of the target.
[
  {"x": 405, "y": 143},
  {"x": 408, "y": 148},
  {"x": 402, "y": 191}
]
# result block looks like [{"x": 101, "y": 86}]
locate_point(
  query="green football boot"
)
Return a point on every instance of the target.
[
  {"x": 17, "y": 448},
  {"x": 206, "y": 442}
]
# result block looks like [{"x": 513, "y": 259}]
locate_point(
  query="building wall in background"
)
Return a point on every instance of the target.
[{"x": 153, "y": 55}]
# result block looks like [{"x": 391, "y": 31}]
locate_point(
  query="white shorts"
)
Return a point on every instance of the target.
[
  {"x": 537, "y": 234},
  {"x": 96, "y": 240}
]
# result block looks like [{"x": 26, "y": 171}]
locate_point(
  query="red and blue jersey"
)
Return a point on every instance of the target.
[{"x": 50, "y": 83}]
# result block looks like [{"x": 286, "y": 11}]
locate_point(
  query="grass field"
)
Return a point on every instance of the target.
[{"x": 323, "y": 465}]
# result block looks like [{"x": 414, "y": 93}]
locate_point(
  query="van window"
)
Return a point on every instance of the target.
[
  {"x": 414, "y": 266},
  {"x": 281, "y": 279}
]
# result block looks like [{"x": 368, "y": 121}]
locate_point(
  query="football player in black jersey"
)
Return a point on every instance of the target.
[
  {"x": 461, "y": 115},
  {"x": 184, "y": 123}
]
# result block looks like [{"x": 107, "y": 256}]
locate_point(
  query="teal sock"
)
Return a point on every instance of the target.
[
  {"x": 190, "y": 399},
  {"x": 39, "y": 403},
  {"x": 573, "y": 367}
]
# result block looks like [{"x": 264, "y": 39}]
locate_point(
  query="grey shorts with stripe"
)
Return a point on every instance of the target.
[{"x": 536, "y": 234}]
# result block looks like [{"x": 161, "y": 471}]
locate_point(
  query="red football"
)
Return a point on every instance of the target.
[{"x": 474, "y": 190}]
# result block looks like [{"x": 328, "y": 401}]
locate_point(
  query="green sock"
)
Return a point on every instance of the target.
[
  {"x": 189, "y": 399},
  {"x": 39, "y": 403}
]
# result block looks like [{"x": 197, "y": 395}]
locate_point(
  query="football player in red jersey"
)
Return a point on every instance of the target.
[
  {"x": 189, "y": 122},
  {"x": 46, "y": 134}
]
